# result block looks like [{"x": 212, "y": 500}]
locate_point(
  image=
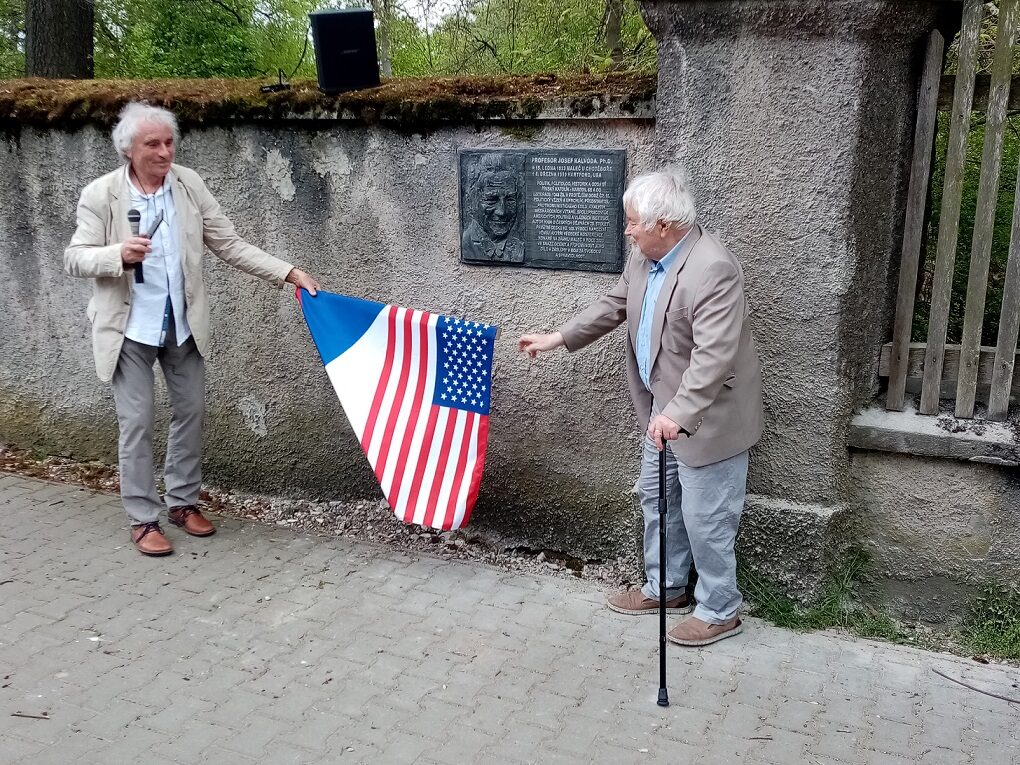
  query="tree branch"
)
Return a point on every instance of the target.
[
  {"x": 973, "y": 688},
  {"x": 229, "y": 9},
  {"x": 107, "y": 32},
  {"x": 232, "y": 11}
]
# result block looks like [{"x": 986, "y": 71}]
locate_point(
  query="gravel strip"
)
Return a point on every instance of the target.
[{"x": 364, "y": 520}]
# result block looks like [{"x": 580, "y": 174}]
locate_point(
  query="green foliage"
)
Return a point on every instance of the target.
[
  {"x": 992, "y": 626},
  {"x": 527, "y": 36},
  {"x": 200, "y": 38},
  {"x": 12, "y": 50},
  {"x": 986, "y": 41},
  {"x": 255, "y": 38},
  {"x": 175, "y": 39},
  {"x": 836, "y": 607}
]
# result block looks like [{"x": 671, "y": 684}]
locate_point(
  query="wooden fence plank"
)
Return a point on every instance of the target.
[
  {"x": 951, "y": 368},
  {"x": 984, "y": 219},
  {"x": 982, "y": 84},
  {"x": 913, "y": 227},
  {"x": 949, "y": 219},
  {"x": 1005, "y": 366}
]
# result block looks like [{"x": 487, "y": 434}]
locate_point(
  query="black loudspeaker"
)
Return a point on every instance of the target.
[{"x": 345, "y": 55}]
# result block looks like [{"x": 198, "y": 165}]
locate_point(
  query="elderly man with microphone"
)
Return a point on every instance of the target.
[
  {"x": 141, "y": 234},
  {"x": 695, "y": 380}
]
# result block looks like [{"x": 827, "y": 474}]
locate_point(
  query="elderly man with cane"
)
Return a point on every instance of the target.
[
  {"x": 693, "y": 371},
  {"x": 140, "y": 236}
]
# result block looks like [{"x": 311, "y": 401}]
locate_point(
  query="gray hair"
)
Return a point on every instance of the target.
[
  {"x": 662, "y": 195},
  {"x": 131, "y": 118}
]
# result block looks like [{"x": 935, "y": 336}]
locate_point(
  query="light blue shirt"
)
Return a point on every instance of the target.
[
  {"x": 163, "y": 288},
  {"x": 656, "y": 277}
]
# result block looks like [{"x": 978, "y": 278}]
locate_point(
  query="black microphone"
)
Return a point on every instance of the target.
[{"x": 135, "y": 221}]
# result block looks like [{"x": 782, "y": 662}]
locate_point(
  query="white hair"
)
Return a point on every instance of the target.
[
  {"x": 131, "y": 118},
  {"x": 662, "y": 195}
]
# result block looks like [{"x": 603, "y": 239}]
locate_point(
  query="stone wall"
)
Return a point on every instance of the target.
[
  {"x": 371, "y": 209},
  {"x": 937, "y": 530},
  {"x": 748, "y": 92}
]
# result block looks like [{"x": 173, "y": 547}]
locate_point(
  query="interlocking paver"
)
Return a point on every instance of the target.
[
  {"x": 71, "y": 748},
  {"x": 940, "y": 756},
  {"x": 939, "y": 731},
  {"x": 222, "y": 756},
  {"x": 20, "y": 750},
  {"x": 265, "y": 645},
  {"x": 135, "y": 745},
  {"x": 794, "y": 715}
]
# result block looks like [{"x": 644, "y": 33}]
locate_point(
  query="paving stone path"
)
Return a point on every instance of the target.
[{"x": 262, "y": 645}]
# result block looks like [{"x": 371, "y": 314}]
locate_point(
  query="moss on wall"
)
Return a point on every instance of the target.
[{"x": 69, "y": 104}]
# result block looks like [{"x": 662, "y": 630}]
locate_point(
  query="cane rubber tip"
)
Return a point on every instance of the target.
[{"x": 663, "y": 698}]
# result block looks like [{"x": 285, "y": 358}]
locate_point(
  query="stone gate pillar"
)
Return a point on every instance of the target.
[{"x": 795, "y": 122}]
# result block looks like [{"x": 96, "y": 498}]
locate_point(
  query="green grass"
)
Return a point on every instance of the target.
[
  {"x": 836, "y": 608},
  {"x": 992, "y": 626}
]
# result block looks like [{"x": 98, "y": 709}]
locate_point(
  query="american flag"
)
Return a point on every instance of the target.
[{"x": 416, "y": 388}]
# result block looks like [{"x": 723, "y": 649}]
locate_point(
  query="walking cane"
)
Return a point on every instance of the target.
[{"x": 663, "y": 694}]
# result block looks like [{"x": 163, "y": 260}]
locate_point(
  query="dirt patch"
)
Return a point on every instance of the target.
[
  {"x": 365, "y": 520},
  {"x": 951, "y": 424},
  {"x": 96, "y": 476}
]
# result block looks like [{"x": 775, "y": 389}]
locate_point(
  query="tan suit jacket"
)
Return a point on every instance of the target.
[
  {"x": 94, "y": 253},
  {"x": 704, "y": 370}
]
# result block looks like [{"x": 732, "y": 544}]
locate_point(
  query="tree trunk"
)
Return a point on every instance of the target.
[
  {"x": 614, "y": 22},
  {"x": 383, "y": 13},
  {"x": 58, "y": 38}
]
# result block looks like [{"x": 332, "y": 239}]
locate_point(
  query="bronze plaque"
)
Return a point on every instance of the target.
[{"x": 543, "y": 208}]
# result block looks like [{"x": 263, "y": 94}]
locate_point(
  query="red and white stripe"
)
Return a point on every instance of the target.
[{"x": 428, "y": 458}]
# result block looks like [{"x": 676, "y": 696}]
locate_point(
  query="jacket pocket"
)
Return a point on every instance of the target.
[{"x": 676, "y": 327}]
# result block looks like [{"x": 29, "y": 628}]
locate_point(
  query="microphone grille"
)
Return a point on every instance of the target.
[{"x": 134, "y": 215}]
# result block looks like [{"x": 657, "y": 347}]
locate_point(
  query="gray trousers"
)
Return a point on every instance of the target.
[
  {"x": 133, "y": 391},
  {"x": 703, "y": 508}
]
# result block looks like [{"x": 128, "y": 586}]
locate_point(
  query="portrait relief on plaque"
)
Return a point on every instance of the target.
[
  {"x": 492, "y": 208},
  {"x": 543, "y": 208}
]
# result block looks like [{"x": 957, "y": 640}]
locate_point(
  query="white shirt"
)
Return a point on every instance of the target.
[{"x": 164, "y": 275}]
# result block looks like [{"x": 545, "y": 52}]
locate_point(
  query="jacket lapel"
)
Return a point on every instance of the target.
[
  {"x": 636, "y": 293},
  {"x": 183, "y": 213},
  {"x": 668, "y": 286},
  {"x": 120, "y": 203}
]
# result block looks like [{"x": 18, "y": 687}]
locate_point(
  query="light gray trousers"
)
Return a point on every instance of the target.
[
  {"x": 703, "y": 510},
  {"x": 134, "y": 394}
]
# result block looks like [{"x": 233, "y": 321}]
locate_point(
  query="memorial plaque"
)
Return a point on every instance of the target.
[{"x": 552, "y": 208}]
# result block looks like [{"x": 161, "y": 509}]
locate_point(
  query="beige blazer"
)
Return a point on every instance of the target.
[
  {"x": 704, "y": 371},
  {"x": 94, "y": 253}
]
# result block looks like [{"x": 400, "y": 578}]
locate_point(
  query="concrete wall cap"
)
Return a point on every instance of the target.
[{"x": 689, "y": 20}]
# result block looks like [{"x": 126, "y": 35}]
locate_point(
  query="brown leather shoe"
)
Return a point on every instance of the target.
[
  {"x": 149, "y": 539},
  {"x": 634, "y": 602},
  {"x": 694, "y": 632},
  {"x": 189, "y": 518}
]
